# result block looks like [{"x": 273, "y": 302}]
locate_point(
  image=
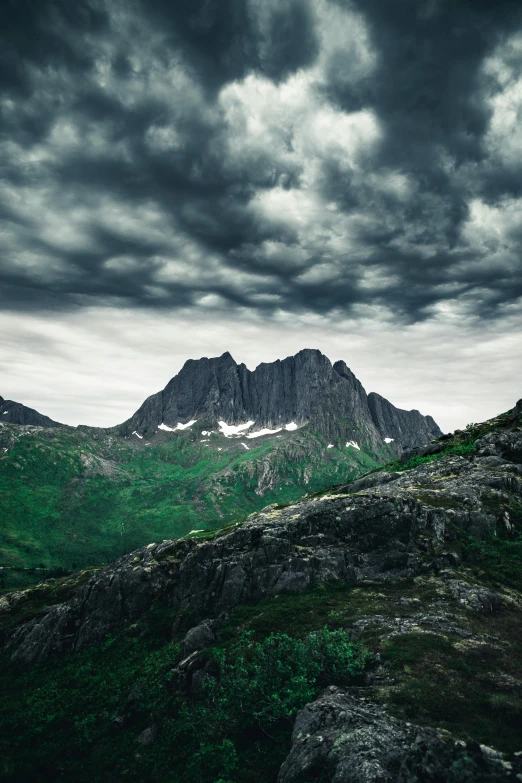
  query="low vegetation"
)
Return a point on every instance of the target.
[
  {"x": 88, "y": 716},
  {"x": 82, "y": 717}
]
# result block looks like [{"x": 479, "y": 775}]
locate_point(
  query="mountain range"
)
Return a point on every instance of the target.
[
  {"x": 220, "y": 441},
  {"x": 301, "y": 390},
  {"x": 15, "y": 413}
]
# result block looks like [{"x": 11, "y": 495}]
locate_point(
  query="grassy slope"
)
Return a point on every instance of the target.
[{"x": 71, "y": 499}]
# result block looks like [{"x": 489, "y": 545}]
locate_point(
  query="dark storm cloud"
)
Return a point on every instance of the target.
[
  {"x": 224, "y": 41},
  {"x": 43, "y": 34},
  {"x": 327, "y": 156}
]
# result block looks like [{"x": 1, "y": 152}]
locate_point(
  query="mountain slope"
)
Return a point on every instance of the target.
[
  {"x": 403, "y": 589},
  {"x": 71, "y": 499}
]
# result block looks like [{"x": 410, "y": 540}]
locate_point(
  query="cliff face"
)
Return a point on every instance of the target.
[
  {"x": 403, "y": 426},
  {"x": 304, "y": 389}
]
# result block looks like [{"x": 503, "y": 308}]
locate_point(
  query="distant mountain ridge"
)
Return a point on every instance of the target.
[
  {"x": 305, "y": 390},
  {"x": 12, "y": 412}
]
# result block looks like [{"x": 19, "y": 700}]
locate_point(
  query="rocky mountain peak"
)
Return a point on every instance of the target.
[{"x": 304, "y": 389}]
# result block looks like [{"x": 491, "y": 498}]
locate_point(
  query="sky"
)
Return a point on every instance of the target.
[{"x": 180, "y": 179}]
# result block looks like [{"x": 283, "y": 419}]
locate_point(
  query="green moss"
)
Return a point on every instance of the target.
[
  {"x": 439, "y": 500},
  {"x": 495, "y": 559}
]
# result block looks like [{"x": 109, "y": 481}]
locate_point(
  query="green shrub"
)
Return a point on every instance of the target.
[{"x": 262, "y": 682}]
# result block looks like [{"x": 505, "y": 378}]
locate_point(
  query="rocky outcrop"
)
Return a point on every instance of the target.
[
  {"x": 398, "y": 528},
  {"x": 15, "y": 413},
  {"x": 304, "y": 389},
  {"x": 340, "y": 737}
]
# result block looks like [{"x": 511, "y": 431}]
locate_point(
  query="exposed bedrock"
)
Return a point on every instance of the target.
[
  {"x": 305, "y": 389},
  {"x": 340, "y": 738}
]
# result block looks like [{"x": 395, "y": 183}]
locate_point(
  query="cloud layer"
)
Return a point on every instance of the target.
[{"x": 278, "y": 156}]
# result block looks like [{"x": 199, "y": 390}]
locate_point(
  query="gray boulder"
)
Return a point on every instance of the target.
[
  {"x": 341, "y": 738},
  {"x": 199, "y": 638}
]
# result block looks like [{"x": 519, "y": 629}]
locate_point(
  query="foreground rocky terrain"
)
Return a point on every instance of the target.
[{"x": 419, "y": 564}]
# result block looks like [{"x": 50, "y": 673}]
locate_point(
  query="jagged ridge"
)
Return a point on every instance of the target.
[{"x": 305, "y": 389}]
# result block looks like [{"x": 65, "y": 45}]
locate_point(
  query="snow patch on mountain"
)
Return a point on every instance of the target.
[
  {"x": 234, "y": 430},
  {"x": 179, "y": 426},
  {"x": 265, "y": 431}
]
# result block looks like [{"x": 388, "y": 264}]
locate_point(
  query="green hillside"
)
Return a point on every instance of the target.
[{"x": 74, "y": 498}]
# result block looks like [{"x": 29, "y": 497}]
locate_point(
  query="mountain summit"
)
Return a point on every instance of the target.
[{"x": 301, "y": 390}]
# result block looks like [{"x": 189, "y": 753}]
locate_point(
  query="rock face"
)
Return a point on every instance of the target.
[
  {"x": 403, "y": 426},
  {"x": 15, "y": 413},
  {"x": 304, "y": 389},
  {"x": 378, "y": 531},
  {"x": 340, "y": 737}
]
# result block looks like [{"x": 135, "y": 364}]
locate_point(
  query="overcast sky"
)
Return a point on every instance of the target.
[{"x": 178, "y": 179}]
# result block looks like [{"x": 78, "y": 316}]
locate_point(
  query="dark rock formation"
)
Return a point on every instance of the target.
[
  {"x": 15, "y": 413},
  {"x": 340, "y": 737},
  {"x": 407, "y": 427},
  {"x": 305, "y": 389},
  {"x": 198, "y": 638},
  {"x": 381, "y": 532}
]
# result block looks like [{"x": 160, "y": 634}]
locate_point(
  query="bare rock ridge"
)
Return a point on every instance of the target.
[
  {"x": 305, "y": 389},
  {"x": 15, "y": 413},
  {"x": 397, "y": 423}
]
